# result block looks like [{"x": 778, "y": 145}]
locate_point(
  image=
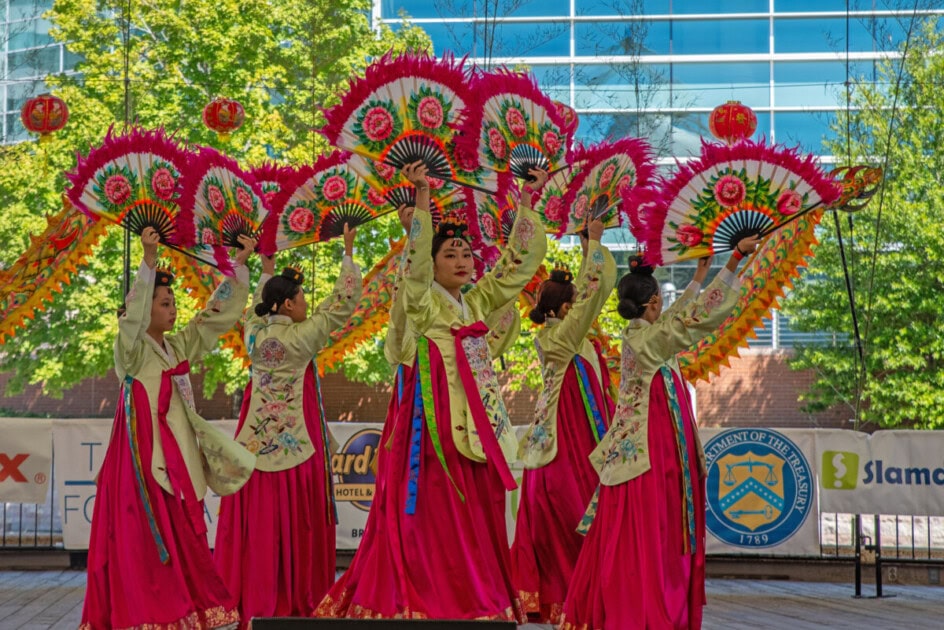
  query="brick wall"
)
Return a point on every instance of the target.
[{"x": 758, "y": 389}]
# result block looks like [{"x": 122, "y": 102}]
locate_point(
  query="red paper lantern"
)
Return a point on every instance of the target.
[
  {"x": 224, "y": 116},
  {"x": 44, "y": 114},
  {"x": 732, "y": 122}
]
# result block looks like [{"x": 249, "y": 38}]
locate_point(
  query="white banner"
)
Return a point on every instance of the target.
[
  {"x": 888, "y": 472},
  {"x": 25, "y": 459},
  {"x": 80, "y": 449},
  {"x": 760, "y": 491}
]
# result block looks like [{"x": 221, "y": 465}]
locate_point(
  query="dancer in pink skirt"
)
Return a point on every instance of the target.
[
  {"x": 573, "y": 413},
  {"x": 275, "y": 542},
  {"x": 149, "y": 563},
  {"x": 439, "y": 547},
  {"x": 643, "y": 562}
]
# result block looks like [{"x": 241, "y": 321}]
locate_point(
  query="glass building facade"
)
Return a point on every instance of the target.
[
  {"x": 27, "y": 55},
  {"x": 656, "y": 68}
]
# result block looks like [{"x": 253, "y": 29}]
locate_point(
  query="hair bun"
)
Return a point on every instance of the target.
[
  {"x": 561, "y": 274},
  {"x": 293, "y": 274},
  {"x": 638, "y": 266}
]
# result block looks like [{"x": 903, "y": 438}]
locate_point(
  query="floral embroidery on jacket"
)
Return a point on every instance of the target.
[{"x": 270, "y": 353}]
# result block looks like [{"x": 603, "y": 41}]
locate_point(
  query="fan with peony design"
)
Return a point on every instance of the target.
[
  {"x": 550, "y": 203},
  {"x": 513, "y": 126},
  {"x": 728, "y": 193},
  {"x": 406, "y": 109},
  {"x": 220, "y": 202},
  {"x": 769, "y": 272},
  {"x": 134, "y": 180},
  {"x": 322, "y": 198},
  {"x": 607, "y": 171}
]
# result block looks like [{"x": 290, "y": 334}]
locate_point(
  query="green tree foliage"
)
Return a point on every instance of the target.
[
  {"x": 895, "y": 250},
  {"x": 283, "y": 60}
]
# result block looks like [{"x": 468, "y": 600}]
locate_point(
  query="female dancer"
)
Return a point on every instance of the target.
[
  {"x": 643, "y": 562},
  {"x": 149, "y": 564},
  {"x": 573, "y": 413},
  {"x": 275, "y": 542},
  {"x": 439, "y": 547}
]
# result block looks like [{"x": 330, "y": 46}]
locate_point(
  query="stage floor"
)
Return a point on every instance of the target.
[{"x": 37, "y": 600}]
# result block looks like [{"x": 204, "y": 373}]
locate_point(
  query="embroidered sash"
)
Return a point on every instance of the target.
[
  {"x": 470, "y": 341},
  {"x": 131, "y": 426},
  {"x": 177, "y": 471},
  {"x": 688, "y": 505},
  {"x": 590, "y": 404}
]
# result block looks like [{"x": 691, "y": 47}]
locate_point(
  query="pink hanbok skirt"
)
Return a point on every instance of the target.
[
  {"x": 553, "y": 500},
  {"x": 128, "y": 584},
  {"x": 275, "y": 540},
  {"x": 633, "y": 571},
  {"x": 447, "y": 560}
]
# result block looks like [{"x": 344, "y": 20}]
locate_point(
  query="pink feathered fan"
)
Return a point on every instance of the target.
[
  {"x": 729, "y": 193},
  {"x": 406, "y": 109}
]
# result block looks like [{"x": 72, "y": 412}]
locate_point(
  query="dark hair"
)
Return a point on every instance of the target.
[
  {"x": 163, "y": 278},
  {"x": 553, "y": 295},
  {"x": 278, "y": 289},
  {"x": 635, "y": 289}
]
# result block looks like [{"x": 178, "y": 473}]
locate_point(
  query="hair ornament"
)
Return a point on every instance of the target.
[
  {"x": 163, "y": 277},
  {"x": 450, "y": 227}
]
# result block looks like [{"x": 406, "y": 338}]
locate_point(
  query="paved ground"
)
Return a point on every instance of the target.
[{"x": 37, "y": 600}]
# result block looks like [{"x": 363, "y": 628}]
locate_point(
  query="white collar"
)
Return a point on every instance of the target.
[
  {"x": 278, "y": 319},
  {"x": 459, "y": 304}
]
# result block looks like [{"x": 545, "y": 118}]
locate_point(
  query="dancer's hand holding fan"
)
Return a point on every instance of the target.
[{"x": 133, "y": 179}]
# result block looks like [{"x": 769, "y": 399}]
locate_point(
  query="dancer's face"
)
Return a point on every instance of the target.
[
  {"x": 163, "y": 310},
  {"x": 453, "y": 264}
]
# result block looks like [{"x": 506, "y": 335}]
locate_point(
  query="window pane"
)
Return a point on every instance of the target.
[
  {"x": 472, "y": 8},
  {"x": 618, "y": 7},
  {"x": 539, "y": 39},
  {"x": 458, "y": 38},
  {"x": 809, "y": 83},
  {"x": 15, "y": 129},
  {"x": 554, "y": 81},
  {"x": 808, "y": 129},
  {"x": 784, "y": 6},
  {"x": 719, "y": 6},
  {"x": 26, "y": 9},
  {"x": 720, "y": 37},
  {"x": 36, "y": 62},
  {"x": 866, "y": 34},
  {"x": 622, "y": 38},
  {"x": 29, "y": 34},
  {"x": 710, "y": 84},
  {"x": 622, "y": 86},
  {"x": 18, "y": 93},
  {"x": 390, "y": 9}
]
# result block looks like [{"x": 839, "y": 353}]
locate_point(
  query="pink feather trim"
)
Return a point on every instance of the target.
[
  {"x": 200, "y": 164},
  {"x": 136, "y": 140},
  {"x": 446, "y": 70},
  {"x": 713, "y": 154},
  {"x": 487, "y": 85}
]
